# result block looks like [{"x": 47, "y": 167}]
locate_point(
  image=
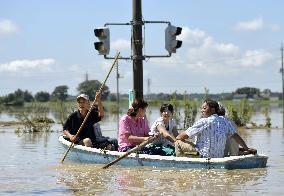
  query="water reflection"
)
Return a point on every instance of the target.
[{"x": 91, "y": 179}]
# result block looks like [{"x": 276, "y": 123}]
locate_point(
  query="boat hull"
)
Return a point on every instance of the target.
[{"x": 93, "y": 155}]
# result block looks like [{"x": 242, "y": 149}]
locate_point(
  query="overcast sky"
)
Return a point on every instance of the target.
[{"x": 226, "y": 44}]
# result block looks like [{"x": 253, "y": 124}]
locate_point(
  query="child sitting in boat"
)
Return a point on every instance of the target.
[
  {"x": 164, "y": 146},
  {"x": 100, "y": 139}
]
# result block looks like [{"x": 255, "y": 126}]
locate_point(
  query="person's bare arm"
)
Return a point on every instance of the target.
[
  {"x": 100, "y": 105},
  {"x": 242, "y": 143},
  {"x": 175, "y": 132},
  {"x": 182, "y": 136},
  {"x": 134, "y": 138},
  {"x": 70, "y": 136},
  {"x": 165, "y": 133}
]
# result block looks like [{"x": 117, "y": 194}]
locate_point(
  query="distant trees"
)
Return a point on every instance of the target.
[
  {"x": 112, "y": 97},
  {"x": 60, "y": 93},
  {"x": 17, "y": 98},
  {"x": 25, "y": 95},
  {"x": 90, "y": 87},
  {"x": 249, "y": 91},
  {"x": 42, "y": 96}
]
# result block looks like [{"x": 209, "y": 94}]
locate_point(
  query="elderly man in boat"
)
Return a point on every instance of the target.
[
  {"x": 211, "y": 132},
  {"x": 74, "y": 121}
]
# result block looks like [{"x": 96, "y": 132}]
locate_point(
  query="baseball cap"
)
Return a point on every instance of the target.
[{"x": 83, "y": 96}]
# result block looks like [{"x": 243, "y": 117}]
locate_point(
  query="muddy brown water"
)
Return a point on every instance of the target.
[{"x": 30, "y": 165}]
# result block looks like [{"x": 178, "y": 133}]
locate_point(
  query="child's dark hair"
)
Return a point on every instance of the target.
[
  {"x": 212, "y": 104},
  {"x": 222, "y": 110},
  {"x": 167, "y": 107},
  {"x": 138, "y": 103}
]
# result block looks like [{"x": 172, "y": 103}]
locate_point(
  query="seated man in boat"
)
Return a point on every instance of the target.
[
  {"x": 165, "y": 146},
  {"x": 211, "y": 131},
  {"x": 74, "y": 121},
  {"x": 134, "y": 128}
]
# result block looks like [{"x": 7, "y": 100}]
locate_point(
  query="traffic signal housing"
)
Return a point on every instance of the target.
[
  {"x": 103, "y": 46},
  {"x": 171, "y": 44}
]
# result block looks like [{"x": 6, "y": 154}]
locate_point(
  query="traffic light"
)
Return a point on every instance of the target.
[
  {"x": 171, "y": 44},
  {"x": 103, "y": 45}
]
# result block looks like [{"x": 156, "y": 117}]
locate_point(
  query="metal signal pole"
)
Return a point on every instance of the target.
[
  {"x": 137, "y": 45},
  {"x": 282, "y": 72},
  {"x": 137, "y": 56}
]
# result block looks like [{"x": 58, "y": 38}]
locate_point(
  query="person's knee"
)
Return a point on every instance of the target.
[
  {"x": 178, "y": 148},
  {"x": 114, "y": 144},
  {"x": 88, "y": 142},
  {"x": 109, "y": 147},
  {"x": 185, "y": 149}
]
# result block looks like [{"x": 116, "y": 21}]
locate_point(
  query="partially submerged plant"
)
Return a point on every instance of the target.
[{"x": 35, "y": 121}]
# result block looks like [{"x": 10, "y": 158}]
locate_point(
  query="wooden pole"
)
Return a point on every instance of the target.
[{"x": 149, "y": 140}]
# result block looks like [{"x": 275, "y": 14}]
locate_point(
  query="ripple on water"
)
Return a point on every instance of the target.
[{"x": 91, "y": 179}]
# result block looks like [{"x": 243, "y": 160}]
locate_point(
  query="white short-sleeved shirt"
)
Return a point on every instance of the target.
[
  {"x": 160, "y": 121},
  {"x": 211, "y": 133},
  {"x": 231, "y": 125}
]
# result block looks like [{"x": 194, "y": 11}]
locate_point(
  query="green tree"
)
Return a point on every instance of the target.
[
  {"x": 206, "y": 94},
  {"x": 90, "y": 87},
  {"x": 249, "y": 91},
  {"x": 42, "y": 96},
  {"x": 18, "y": 97},
  {"x": 176, "y": 105},
  {"x": 25, "y": 95},
  {"x": 28, "y": 97},
  {"x": 11, "y": 99},
  {"x": 60, "y": 93},
  {"x": 190, "y": 111}
]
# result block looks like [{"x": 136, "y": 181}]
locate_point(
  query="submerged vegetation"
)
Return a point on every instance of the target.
[
  {"x": 40, "y": 116},
  {"x": 240, "y": 112},
  {"x": 34, "y": 122},
  {"x": 240, "y": 105}
]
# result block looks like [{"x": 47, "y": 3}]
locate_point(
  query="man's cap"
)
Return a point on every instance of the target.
[{"x": 84, "y": 96}]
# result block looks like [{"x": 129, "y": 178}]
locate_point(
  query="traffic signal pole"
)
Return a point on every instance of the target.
[
  {"x": 137, "y": 56},
  {"x": 137, "y": 45},
  {"x": 282, "y": 73}
]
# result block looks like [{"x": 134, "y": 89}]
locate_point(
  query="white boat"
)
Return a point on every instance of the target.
[{"x": 99, "y": 156}]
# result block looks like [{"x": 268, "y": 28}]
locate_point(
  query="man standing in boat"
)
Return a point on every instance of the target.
[{"x": 74, "y": 121}]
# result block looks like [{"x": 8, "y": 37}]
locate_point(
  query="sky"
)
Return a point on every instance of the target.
[{"x": 226, "y": 45}]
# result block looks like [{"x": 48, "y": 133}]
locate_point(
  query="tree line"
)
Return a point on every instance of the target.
[
  {"x": 60, "y": 93},
  {"x": 89, "y": 87}
]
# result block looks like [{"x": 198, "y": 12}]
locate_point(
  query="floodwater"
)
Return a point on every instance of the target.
[{"x": 30, "y": 165}]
